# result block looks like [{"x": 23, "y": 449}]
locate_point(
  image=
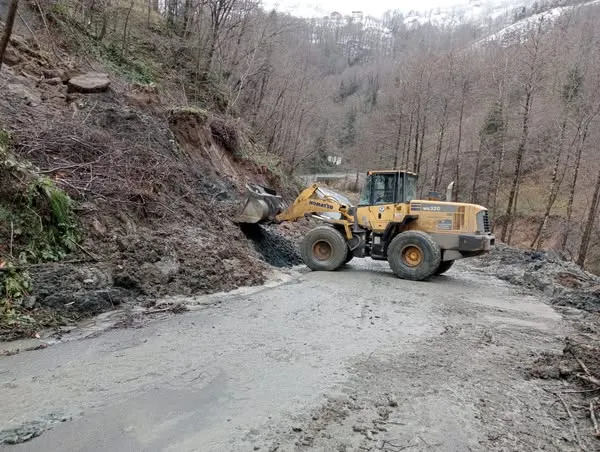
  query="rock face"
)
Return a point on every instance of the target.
[{"x": 92, "y": 82}]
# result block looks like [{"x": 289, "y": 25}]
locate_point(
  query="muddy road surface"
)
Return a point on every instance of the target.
[{"x": 346, "y": 361}]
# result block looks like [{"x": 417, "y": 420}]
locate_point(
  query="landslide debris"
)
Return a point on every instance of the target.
[
  {"x": 275, "y": 248},
  {"x": 153, "y": 187},
  {"x": 577, "y": 292},
  {"x": 562, "y": 282}
]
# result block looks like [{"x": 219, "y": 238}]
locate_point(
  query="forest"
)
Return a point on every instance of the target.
[{"x": 507, "y": 108}]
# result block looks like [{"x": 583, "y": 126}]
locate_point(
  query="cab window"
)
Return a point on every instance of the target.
[
  {"x": 365, "y": 195},
  {"x": 384, "y": 188}
]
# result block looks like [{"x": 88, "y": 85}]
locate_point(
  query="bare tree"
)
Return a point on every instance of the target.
[
  {"x": 589, "y": 224},
  {"x": 219, "y": 13},
  {"x": 10, "y": 21},
  {"x": 532, "y": 76}
]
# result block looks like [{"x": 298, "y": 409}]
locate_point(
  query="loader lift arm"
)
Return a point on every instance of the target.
[
  {"x": 314, "y": 200},
  {"x": 265, "y": 206}
]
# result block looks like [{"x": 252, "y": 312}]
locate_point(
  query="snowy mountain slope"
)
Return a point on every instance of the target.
[
  {"x": 415, "y": 11},
  {"x": 517, "y": 30},
  {"x": 473, "y": 11}
]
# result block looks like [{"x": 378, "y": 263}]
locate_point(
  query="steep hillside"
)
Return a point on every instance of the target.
[{"x": 112, "y": 191}]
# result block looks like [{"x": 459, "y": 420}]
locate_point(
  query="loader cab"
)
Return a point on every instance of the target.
[{"x": 388, "y": 187}]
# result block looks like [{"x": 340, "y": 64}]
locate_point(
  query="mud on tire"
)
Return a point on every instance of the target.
[
  {"x": 414, "y": 255},
  {"x": 324, "y": 248},
  {"x": 444, "y": 267}
]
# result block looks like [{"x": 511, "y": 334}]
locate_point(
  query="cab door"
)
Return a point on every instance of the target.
[{"x": 382, "y": 210}]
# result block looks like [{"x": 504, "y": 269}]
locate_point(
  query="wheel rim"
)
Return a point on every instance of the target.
[
  {"x": 412, "y": 255},
  {"x": 322, "y": 250}
]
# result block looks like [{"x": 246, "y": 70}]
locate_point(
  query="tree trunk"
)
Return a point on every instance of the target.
[
  {"x": 421, "y": 146},
  {"x": 512, "y": 222},
  {"x": 519, "y": 162},
  {"x": 187, "y": 10},
  {"x": 10, "y": 21},
  {"x": 438, "y": 151},
  {"x": 406, "y": 153},
  {"x": 417, "y": 136},
  {"x": 458, "y": 144},
  {"x": 579, "y": 151},
  {"x": 211, "y": 52},
  {"x": 124, "y": 45},
  {"x": 554, "y": 187},
  {"x": 589, "y": 225},
  {"x": 397, "y": 147},
  {"x": 476, "y": 175},
  {"x": 499, "y": 167}
]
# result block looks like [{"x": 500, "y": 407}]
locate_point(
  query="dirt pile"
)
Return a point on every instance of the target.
[
  {"x": 562, "y": 282},
  {"x": 154, "y": 189},
  {"x": 275, "y": 248}
]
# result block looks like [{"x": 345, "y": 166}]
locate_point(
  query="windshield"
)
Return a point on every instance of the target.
[
  {"x": 365, "y": 195},
  {"x": 384, "y": 188}
]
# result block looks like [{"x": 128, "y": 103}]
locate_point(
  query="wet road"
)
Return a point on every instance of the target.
[{"x": 351, "y": 360}]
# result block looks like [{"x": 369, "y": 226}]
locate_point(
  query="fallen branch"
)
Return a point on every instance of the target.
[
  {"x": 96, "y": 259},
  {"x": 583, "y": 366},
  {"x": 573, "y": 424},
  {"x": 176, "y": 309},
  {"x": 60, "y": 168},
  {"x": 594, "y": 420},
  {"x": 590, "y": 379},
  {"x": 28, "y": 27}
]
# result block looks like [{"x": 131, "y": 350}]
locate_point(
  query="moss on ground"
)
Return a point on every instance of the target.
[{"x": 37, "y": 224}]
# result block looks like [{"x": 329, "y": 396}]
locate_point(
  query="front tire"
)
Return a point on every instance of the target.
[
  {"x": 414, "y": 255},
  {"x": 324, "y": 249},
  {"x": 444, "y": 267}
]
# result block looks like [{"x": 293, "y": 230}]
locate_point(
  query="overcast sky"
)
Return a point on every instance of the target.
[{"x": 373, "y": 7}]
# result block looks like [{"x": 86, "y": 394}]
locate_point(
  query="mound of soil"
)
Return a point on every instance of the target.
[
  {"x": 562, "y": 282},
  {"x": 155, "y": 188},
  {"x": 273, "y": 246}
]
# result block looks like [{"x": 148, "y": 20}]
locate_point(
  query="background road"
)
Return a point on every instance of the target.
[{"x": 351, "y": 360}]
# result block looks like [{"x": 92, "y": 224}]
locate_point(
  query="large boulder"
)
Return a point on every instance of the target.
[{"x": 92, "y": 82}]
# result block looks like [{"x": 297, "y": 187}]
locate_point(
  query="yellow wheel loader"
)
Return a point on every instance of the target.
[{"x": 419, "y": 238}]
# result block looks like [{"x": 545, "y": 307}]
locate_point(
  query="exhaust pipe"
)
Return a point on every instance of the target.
[{"x": 449, "y": 191}]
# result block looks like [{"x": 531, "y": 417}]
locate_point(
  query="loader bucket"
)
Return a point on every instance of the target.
[{"x": 260, "y": 206}]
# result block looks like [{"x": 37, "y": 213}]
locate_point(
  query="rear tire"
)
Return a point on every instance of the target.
[
  {"x": 324, "y": 249},
  {"x": 444, "y": 267},
  {"x": 414, "y": 255}
]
